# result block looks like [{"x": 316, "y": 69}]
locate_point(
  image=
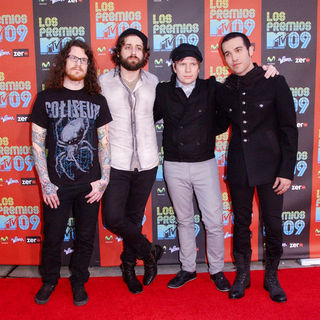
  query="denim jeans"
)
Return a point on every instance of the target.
[{"x": 55, "y": 223}]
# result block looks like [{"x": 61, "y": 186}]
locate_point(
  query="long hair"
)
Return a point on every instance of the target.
[
  {"x": 117, "y": 49},
  {"x": 57, "y": 70}
]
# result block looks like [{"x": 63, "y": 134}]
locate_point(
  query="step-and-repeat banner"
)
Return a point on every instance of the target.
[{"x": 283, "y": 33}]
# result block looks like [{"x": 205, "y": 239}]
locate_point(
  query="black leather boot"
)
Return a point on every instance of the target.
[
  {"x": 129, "y": 277},
  {"x": 242, "y": 280},
  {"x": 150, "y": 264},
  {"x": 271, "y": 282}
]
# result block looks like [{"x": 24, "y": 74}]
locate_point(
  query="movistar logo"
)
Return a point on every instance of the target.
[
  {"x": 271, "y": 59},
  {"x": 101, "y": 49},
  {"x": 214, "y": 46}
]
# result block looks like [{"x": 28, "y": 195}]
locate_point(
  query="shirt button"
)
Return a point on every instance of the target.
[
  {"x": 261, "y": 105},
  {"x": 244, "y": 131},
  {"x": 243, "y": 93},
  {"x": 230, "y": 109},
  {"x": 244, "y": 112},
  {"x": 244, "y": 121},
  {"x": 181, "y": 143},
  {"x": 245, "y": 140},
  {"x": 181, "y": 127},
  {"x": 200, "y": 110},
  {"x": 243, "y": 102}
]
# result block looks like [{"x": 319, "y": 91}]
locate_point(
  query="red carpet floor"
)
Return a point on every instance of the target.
[{"x": 109, "y": 299}]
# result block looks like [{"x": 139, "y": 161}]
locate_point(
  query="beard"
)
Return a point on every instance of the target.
[
  {"x": 132, "y": 65},
  {"x": 75, "y": 77}
]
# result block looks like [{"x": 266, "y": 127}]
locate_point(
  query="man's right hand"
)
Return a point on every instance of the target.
[{"x": 50, "y": 197}]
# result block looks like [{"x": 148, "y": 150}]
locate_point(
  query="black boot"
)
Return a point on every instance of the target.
[
  {"x": 150, "y": 264},
  {"x": 129, "y": 277},
  {"x": 242, "y": 280},
  {"x": 271, "y": 282}
]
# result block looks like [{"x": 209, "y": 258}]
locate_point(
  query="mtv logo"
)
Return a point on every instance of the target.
[
  {"x": 196, "y": 229},
  {"x": 276, "y": 40},
  {"x": 163, "y": 42},
  {"x": 8, "y": 223},
  {"x": 3, "y": 99},
  {"x": 106, "y": 30},
  {"x": 159, "y": 176},
  {"x": 53, "y": 45},
  {"x": 271, "y": 59},
  {"x": 5, "y": 163},
  {"x": 318, "y": 214},
  {"x": 167, "y": 232},
  {"x": 219, "y": 27}
]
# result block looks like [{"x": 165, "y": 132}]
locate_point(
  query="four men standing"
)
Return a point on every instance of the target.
[{"x": 262, "y": 154}]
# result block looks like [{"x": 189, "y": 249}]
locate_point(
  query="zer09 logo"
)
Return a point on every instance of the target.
[
  {"x": 28, "y": 181},
  {"x": 33, "y": 240}
]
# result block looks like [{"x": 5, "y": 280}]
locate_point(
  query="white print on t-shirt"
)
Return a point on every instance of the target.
[{"x": 73, "y": 150}]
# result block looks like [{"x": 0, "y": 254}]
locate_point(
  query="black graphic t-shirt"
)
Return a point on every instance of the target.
[{"x": 71, "y": 118}]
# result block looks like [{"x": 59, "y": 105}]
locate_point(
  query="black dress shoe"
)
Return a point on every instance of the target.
[
  {"x": 222, "y": 284},
  {"x": 130, "y": 279},
  {"x": 80, "y": 296},
  {"x": 150, "y": 265},
  {"x": 43, "y": 295},
  {"x": 181, "y": 279}
]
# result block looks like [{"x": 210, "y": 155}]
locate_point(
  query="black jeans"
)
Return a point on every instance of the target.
[
  {"x": 55, "y": 223},
  {"x": 124, "y": 204},
  {"x": 271, "y": 208}
]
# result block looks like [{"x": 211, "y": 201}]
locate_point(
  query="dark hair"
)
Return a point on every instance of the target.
[
  {"x": 117, "y": 49},
  {"x": 233, "y": 35},
  {"x": 57, "y": 70}
]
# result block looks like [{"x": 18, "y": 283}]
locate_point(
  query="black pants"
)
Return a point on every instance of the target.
[
  {"x": 55, "y": 223},
  {"x": 271, "y": 207},
  {"x": 124, "y": 204}
]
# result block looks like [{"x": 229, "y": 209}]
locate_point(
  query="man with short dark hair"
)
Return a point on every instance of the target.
[
  {"x": 70, "y": 118},
  {"x": 186, "y": 105},
  {"x": 130, "y": 92},
  {"x": 261, "y": 156}
]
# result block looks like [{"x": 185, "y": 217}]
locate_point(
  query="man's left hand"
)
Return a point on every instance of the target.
[
  {"x": 281, "y": 185},
  {"x": 271, "y": 71},
  {"x": 98, "y": 188}
]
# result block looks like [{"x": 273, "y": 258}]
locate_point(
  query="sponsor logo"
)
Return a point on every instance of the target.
[
  {"x": 158, "y": 63},
  {"x": 119, "y": 239},
  {"x": 1, "y": 182},
  {"x": 43, "y": 2},
  {"x": 11, "y": 181},
  {"x": 33, "y": 240},
  {"x": 4, "y": 53},
  {"x": 271, "y": 59},
  {"x": 22, "y": 117},
  {"x": 302, "y": 124},
  {"x": 6, "y": 118},
  {"x": 295, "y": 245},
  {"x": 45, "y": 65},
  {"x": 17, "y": 239},
  {"x": 284, "y": 245},
  {"x": 284, "y": 59},
  {"x": 161, "y": 191},
  {"x": 101, "y": 50},
  {"x": 297, "y": 187},
  {"x": 174, "y": 249},
  {"x": 302, "y": 60},
  {"x": 20, "y": 53},
  {"x": 108, "y": 239},
  {"x": 228, "y": 235},
  {"x": 55, "y": 1},
  {"x": 214, "y": 46},
  {"x": 317, "y": 232},
  {"x": 28, "y": 181},
  {"x": 4, "y": 240},
  {"x": 159, "y": 127},
  {"x": 68, "y": 251}
]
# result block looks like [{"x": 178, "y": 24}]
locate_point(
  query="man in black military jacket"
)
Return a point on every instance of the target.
[
  {"x": 262, "y": 155},
  {"x": 186, "y": 105}
]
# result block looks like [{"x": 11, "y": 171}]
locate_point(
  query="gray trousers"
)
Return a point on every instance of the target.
[{"x": 203, "y": 178}]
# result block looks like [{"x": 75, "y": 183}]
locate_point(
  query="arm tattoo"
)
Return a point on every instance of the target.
[
  {"x": 104, "y": 152},
  {"x": 39, "y": 156}
]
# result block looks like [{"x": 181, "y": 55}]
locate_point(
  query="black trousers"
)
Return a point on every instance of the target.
[
  {"x": 124, "y": 204},
  {"x": 271, "y": 207},
  {"x": 55, "y": 223}
]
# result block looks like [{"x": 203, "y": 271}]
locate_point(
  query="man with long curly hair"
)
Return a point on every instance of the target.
[
  {"x": 71, "y": 119},
  {"x": 130, "y": 92}
]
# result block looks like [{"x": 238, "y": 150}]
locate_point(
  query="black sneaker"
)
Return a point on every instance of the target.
[
  {"x": 222, "y": 284},
  {"x": 181, "y": 279},
  {"x": 80, "y": 296},
  {"x": 43, "y": 295}
]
